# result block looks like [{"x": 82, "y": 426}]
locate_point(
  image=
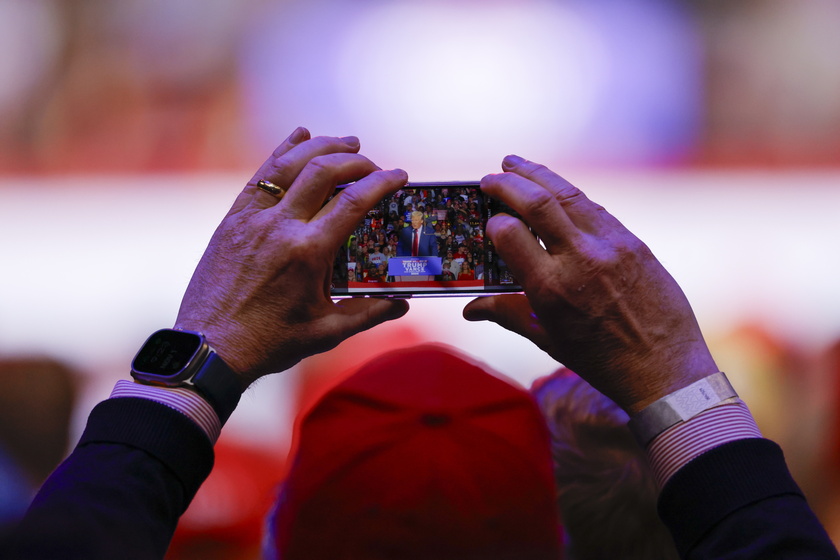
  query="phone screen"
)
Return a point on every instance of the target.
[{"x": 426, "y": 239}]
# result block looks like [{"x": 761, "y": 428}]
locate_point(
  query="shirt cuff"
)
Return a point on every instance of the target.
[
  {"x": 677, "y": 446},
  {"x": 187, "y": 402}
]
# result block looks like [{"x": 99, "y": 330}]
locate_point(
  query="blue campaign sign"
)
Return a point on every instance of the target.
[{"x": 414, "y": 266}]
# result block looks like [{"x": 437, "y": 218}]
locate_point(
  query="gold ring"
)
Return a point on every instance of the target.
[{"x": 271, "y": 188}]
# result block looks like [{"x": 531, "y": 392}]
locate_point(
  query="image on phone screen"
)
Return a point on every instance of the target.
[{"x": 425, "y": 239}]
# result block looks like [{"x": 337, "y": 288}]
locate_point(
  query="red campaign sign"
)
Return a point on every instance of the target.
[{"x": 414, "y": 266}]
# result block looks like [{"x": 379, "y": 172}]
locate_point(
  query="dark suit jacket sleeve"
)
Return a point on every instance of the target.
[
  {"x": 120, "y": 493},
  {"x": 739, "y": 501},
  {"x": 432, "y": 240},
  {"x": 404, "y": 243}
]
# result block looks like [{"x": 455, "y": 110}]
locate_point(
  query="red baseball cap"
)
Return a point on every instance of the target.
[{"x": 422, "y": 453}]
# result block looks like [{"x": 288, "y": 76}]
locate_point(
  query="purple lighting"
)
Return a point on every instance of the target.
[{"x": 445, "y": 89}]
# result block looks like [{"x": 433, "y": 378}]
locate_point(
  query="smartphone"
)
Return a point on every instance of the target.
[{"x": 427, "y": 239}]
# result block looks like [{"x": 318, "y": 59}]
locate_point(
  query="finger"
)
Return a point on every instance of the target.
[
  {"x": 583, "y": 212},
  {"x": 517, "y": 246},
  {"x": 346, "y": 210},
  {"x": 300, "y": 134},
  {"x": 284, "y": 166},
  {"x": 536, "y": 205},
  {"x": 355, "y": 315},
  {"x": 543, "y": 176},
  {"x": 318, "y": 180},
  {"x": 512, "y": 312}
]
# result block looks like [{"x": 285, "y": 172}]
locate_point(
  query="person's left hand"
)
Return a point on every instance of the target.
[
  {"x": 260, "y": 293},
  {"x": 596, "y": 299}
]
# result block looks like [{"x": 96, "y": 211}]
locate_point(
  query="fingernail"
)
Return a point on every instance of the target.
[
  {"x": 512, "y": 161},
  {"x": 351, "y": 141},
  {"x": 299, "y": 135}
]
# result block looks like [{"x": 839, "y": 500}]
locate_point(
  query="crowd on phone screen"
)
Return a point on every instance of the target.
[{"x": 455, "y": 216}]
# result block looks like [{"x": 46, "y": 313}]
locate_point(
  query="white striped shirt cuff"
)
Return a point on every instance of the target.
[
  {"x": 185, "y": 401},
  {"x": 675, "y": 447}
]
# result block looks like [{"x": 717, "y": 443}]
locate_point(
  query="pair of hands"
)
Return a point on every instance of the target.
[{"x": 595, "y": 298}]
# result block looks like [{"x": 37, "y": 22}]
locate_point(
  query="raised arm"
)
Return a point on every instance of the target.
[
  {"x": 260, "y": 297},
  {"x": 599, "y": 302},
  {"x": 260, "y": 293}
]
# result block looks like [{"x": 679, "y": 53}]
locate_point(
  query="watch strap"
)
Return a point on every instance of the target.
[
  {"x": 680, "y": 406},
  {"x": 219, "y": 384}
]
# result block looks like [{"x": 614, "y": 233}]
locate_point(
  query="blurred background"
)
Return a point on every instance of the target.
[{"x": 710, "y": 128}]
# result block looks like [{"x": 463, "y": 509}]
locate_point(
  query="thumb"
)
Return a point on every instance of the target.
[
  {"x": 359, "y": 314},
  {"x": 512, "y": 312}
]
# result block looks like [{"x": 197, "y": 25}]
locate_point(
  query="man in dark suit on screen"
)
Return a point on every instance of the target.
[{"x": 417, "y": 240}]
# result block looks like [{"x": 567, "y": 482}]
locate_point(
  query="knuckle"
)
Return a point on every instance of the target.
[
  {"x": 279, "y": 150},
  {"x": 320, "y": 168},
  {"x": 539, "y": 203},
  {"x": 572, "y": 196},
  {"x": 283, "y": 170},
  {"x": 351, "y": 201},
  {"x": 637, "y": 246},
  {"x": 298, "y": 248},
  {"x": 538, "y": 170},
  {"x": 631, "y": 254}
]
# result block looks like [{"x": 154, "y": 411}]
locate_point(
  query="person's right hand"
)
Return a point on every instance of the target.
[
  {"x": 261, "y": 292},
  {"x": 596, "y": 299}
]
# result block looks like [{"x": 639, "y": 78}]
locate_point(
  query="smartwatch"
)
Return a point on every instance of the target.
[{"x": 173, "y": 358}]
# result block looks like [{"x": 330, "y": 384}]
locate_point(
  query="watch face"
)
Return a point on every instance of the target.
[{"x": 166, "y": 353}]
